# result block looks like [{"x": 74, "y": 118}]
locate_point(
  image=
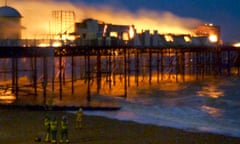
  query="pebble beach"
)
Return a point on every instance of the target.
[{"x": 24, "y": 126}]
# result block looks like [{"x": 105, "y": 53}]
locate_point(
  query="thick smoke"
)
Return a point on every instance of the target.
[{"x": 37, "y": 17}]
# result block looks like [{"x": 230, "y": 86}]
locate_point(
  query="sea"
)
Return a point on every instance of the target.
[{"x": 211, "y": 105}]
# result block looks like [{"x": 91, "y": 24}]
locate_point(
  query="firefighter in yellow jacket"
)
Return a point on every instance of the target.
[
  {"x": 64, "y": 130},
  {"x": 47, "y": 122},
  {"x": 53, "y": 127},
  {"x": 79, "y": 116}
]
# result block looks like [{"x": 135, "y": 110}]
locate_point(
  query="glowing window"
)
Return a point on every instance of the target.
[{"x": 113, "y": 34}]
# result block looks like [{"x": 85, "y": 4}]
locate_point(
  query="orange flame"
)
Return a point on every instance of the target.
[
  {"x": 236, "y": 44},
  {"x": 213, "y": 38},
  {"x": 131, "y": 32}
]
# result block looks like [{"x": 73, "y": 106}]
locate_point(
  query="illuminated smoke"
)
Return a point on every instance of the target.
[
  {"x": 164, "y": 22},
  {"x": 37, "y": 17}
]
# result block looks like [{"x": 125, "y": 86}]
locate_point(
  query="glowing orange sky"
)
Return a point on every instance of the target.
[{"x": 37, "y": 17}]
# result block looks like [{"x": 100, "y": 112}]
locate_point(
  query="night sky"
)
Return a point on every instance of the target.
[{"x": 225, "y": 13}]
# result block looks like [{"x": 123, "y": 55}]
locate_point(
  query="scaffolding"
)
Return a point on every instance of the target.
[{"x": 63, "y": 23}]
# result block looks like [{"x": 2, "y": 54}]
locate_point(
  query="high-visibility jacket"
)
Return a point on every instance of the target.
[
  {"x": 64, "y": 124},
  {"x": 53, "y": 125},
  {"x": 47, "y": 123},
  {"x": 79, "y": 116}
]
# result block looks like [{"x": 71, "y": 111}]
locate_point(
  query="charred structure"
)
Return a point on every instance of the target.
[
  {"x": 211, "y": 31},
  {"x": 93, "y": 32}
]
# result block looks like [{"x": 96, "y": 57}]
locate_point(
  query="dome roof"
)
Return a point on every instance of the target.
[{"x": 6, "y": 11}]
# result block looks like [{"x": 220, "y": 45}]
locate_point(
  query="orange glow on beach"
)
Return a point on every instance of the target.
[{"x": 37, "y": 17}]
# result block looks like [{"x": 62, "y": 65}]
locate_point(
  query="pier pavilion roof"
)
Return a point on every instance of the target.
[{"x": 6, "y": 11}]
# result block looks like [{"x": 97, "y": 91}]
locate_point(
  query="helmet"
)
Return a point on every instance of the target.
[{"x": 80, "y": 109}]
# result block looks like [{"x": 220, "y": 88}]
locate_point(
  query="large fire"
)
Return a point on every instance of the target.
[
  {"x": 131, "y": 32},
  {"x": 236, "y": 44},
  {"x": 37, "y": 17},
  {"x": 213, "y": 38}
]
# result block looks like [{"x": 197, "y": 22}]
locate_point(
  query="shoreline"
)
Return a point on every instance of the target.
[
  {"x": 218, "y": 130},
  {"x": 23, "y": 126},
  {"x": 187, "y": 130}
]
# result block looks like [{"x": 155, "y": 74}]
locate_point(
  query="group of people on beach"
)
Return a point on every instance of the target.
[{"x": 51, "y": 127}]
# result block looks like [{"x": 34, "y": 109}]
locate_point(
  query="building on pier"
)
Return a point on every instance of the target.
[
  {"x": 213, "y": 32},
  {"x": 10, "y": 26},
  {"x": 146, "y": 39},
  {"x": 94, "y": 32}
]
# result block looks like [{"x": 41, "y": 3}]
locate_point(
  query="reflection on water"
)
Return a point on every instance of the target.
[
  {"x": 215, "y": 112},
  {"x": 171, "y": 86},
  {"x": 110, "y": 81},
  {"x": 211, "y": 91},
  {"x": 6, "y": 96}
]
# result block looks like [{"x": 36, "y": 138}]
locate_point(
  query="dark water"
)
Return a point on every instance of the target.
[{"x": 211, "y": 105}]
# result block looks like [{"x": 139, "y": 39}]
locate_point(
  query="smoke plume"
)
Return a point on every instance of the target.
[{"x": 37, "y": 17}]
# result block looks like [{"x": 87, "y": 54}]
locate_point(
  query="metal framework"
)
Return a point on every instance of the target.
[{"x": 63, "y": 22}]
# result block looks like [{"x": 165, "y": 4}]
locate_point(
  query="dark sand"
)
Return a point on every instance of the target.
[{"x": 23, "y": 126}]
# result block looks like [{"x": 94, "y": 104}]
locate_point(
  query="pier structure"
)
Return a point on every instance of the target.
[
  {"x": 71, "y": 74},
  {"x": 75, "y": 62}
]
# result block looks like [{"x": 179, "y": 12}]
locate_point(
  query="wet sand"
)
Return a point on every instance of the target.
[{"x": 23, "y": 126}]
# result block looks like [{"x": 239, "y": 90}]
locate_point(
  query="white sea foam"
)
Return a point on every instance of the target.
[{"x": 190, "y": 113}]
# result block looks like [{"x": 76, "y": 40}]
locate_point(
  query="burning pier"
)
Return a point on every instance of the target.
[{"x": 80, "y": 61}]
